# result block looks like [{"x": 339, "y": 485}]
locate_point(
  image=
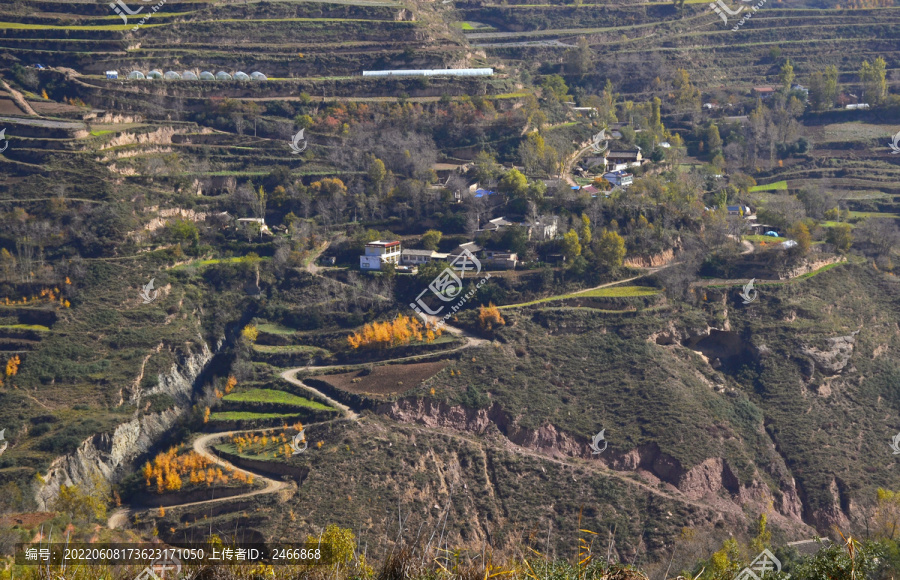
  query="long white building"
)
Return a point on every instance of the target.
[{"x": 427, "y": 72}]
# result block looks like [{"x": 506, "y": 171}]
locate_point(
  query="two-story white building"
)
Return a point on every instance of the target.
[{"x": 378, "y": 253}]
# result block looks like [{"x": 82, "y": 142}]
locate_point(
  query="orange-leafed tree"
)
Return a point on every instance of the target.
[
  {"x": 489, "y": 317},
  {"x": 12, "y": 366},
  {"x": 401, "y": 330}
]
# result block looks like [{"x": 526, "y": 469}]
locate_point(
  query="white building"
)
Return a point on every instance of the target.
[
  {"x": 419, "y": 257},
  {"x": 249, "y": 222},
  {"x": 378, "y": 253},
  {"x": 619, "y": 178},
  {"x": 544, "y": 228}
]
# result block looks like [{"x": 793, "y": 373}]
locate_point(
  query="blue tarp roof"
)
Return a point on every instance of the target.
[{"x": 483, "y": 192}]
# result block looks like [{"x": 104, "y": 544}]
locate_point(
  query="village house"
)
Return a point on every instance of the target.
[
  {"x": 763, "y": 92},
  {"x": 740, "y": 209},
  {"x": 246, "y": 223},
  {"x": 378, "y": 253},
  {"x": 460, "y": 264},
  {"x": 619, "y": 178},
  {"x": 541, "y": 229},
  {"x": 544, "y": 228},
  {"x": 619, "y": 159},
  {"x": 498, "y": 224},
  {"x": 419, "y": 257},
  {"x": 501, "y": 259}
]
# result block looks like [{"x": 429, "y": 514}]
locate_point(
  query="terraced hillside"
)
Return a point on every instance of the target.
[{"x": 636, "y": 42}]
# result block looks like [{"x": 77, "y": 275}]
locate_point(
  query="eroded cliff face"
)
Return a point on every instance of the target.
[
  {"x": 712, "y": 482},
  {"x": 108, "y": 456}
]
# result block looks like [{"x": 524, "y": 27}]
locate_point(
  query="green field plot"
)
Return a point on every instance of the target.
[
  {"x": 610, "y": 292},
  {"x": 289, "y": 349},
  {"x": 777, "y": 186},
  {"x": 250, "y": 416},
  {"x": 273, "y": 396},
  {"x": 36, "y": 327},
  {"x": 873, "y": 214}
]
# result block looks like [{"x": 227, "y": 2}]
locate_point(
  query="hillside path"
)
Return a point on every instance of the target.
[
  {"x": 201, "y": 446},
  {"x": 18, "y": 99},
  {"x": 290, "y": 375}
]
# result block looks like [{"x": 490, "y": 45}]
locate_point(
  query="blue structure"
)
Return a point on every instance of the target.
[{"x": 483, "y": 192}]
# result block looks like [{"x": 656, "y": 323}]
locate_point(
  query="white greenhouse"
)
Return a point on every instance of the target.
[
  {"x": 136, "y": 75},
  {"x": 188, "y": 76}
]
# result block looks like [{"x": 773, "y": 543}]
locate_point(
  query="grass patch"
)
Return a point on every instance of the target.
[
  {"x": 37, "y": 327},
  {"x": 248, "y": 416},
  {"x": 211, "y": 262},
  {"x": 874, "y": 214},
  {"x": 610, "y": 292},
  {"x": 777, "y": 186},
  {"x": 620, "y": 292},
  {"x": 288, "y": 348},
  {"x": 272, "y": 328},
  {"x": 819, "y": 271},
  {"x": 759, "y": 238},
  {"x": 273, "y": 396}
]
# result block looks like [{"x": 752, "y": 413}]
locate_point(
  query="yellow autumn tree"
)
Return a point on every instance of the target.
[
  {"x": 250, "y": 332},
  {"x": 401, "y": 330},
  {"x": 12, "y": 366},
  {"x": 489, "y": 317},
  {"x": 230, "y": 384}
]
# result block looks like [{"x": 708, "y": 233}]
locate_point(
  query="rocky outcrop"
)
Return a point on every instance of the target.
[
  {"x": 707, "y": 480},
  {"x": 835, "y": 357},
  {"x": 105, "y": 456},
  {"x": 808, "y": 266},
  {"x": 164, "y": 215}
]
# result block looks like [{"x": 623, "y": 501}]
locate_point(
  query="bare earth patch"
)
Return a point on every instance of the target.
[
  {"x": 385, "y": 380},
  {"x": 27, "y": 520},
  {"x": 7, "y": 107}
]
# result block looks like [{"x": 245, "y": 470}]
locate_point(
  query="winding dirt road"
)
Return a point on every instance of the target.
[{"x": 202, "y": 445}]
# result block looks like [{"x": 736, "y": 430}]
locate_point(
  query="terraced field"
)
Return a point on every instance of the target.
[
  {"x": 636, "y": 42},
  {"x": 282, "y": 39}
]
